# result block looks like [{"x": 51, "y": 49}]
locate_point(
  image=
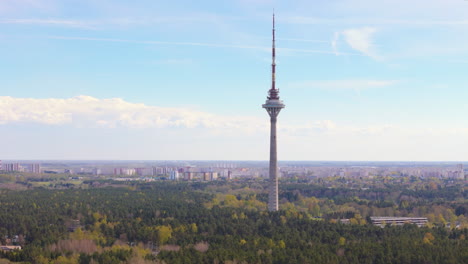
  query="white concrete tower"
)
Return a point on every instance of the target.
[{"x": 273, "y": 105}]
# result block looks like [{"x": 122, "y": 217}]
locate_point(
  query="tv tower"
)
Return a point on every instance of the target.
[{"x": 273, "y": 105}]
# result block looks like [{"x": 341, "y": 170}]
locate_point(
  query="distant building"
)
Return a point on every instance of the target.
[
  {"x": 124, "y": 171},
  {"x": 11, "y": 167},
  {"x": 461, "y": 171},
  {"x": 9, "y": 248},
  {"x": 174, "y": 175},
  {"x": 97, "y": 171},
  {"x": 382, "y": 221},
  {"x": 140, "y": 171},
  {"x": 188, "y": 175},
  {"x": 210, "y": 176},
  {"x": 166, "y": 171},
  {"x": 73, "y": 225},
  {"x": 342, "y": 172},
  {"x": 224, "y": 165},
  {"x": 458, "y": 173},
  {"x": 345, "y": 221},
  {"x": 157, "y": 171},
  {"x": 34, "y": 168}
]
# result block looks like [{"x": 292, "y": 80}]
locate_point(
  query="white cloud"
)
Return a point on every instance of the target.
[
  {"x": 376, "y": 21},
  {"x": 308, "y": 129},
  {"x": 458, "y": 61},
  {"x": 13, "y": 6},
  {"x": 210, "y": 135},
  {"x": 360, "y": 39},
  {"x": 50, "y": 22},
  {"x": 199, "y": 44},
  {"x": 353, "y": 84},
  {"x": 118, "y": 22},
  {"x": 175, "y": 62},
  {"x": 87, "y": 111},
  {"x": 325, "y": 125},
  {"x": 152, "y": 42},
  {"x": 314, "y": 51},
  {"x": 113, "y": 112},
  {"x": 334, "y": 43},
  {"x": 303, "y": 40},
  {"x": 374, "y": 129},
  {"x": 328, "y": 127}
]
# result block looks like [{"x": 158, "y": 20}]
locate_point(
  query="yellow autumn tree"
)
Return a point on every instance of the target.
[
  {"x": 164, "y": 233},
  {"x": 342, "y": 241},
  {"x": 428, "y": 238}
]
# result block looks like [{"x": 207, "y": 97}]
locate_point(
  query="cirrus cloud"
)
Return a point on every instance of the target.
[
  {"x": 351, "y": 84},
  {"x": 360, "y": 39}
]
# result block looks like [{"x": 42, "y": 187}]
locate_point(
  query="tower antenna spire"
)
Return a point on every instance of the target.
[
  {"x": 273, "y": 93},
  {"x": 273, "y": 54}
]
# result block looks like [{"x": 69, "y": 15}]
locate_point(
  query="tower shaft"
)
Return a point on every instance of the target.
[{"x": 273, "y": 171}]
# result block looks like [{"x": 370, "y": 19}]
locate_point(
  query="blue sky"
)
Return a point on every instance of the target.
[{"x": 164, "y": 80}]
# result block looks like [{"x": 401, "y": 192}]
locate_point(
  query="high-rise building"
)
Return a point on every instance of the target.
[
  {"x": 124, "y": 171},
  {"x": 188, "y": 175},
  {"x": 273, "y": 106},
  {"x": 34, "y": 168},
  {"x": 157, "y": 171},
  {"x": 460, "y": 172},
  {"x": 140, "y": 171},
  {"x": 12, "y": 167},
  {"x": 213, "y": 176},
  {"x": 174, "y": 175}
]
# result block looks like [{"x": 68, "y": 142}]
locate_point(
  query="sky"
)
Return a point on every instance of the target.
[{"x": 185, "y": 80}]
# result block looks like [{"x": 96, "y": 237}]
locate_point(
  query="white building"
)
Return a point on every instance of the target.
[{"x": 174, "y": 175}]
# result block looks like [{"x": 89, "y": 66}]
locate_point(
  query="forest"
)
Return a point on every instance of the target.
[{"x": 227, "y": 222}]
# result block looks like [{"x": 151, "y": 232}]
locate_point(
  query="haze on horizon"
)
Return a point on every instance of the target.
[{"x": 153, "y": 80}]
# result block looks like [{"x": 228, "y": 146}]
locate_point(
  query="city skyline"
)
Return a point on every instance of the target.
[{"x": 162, "y": 81}]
